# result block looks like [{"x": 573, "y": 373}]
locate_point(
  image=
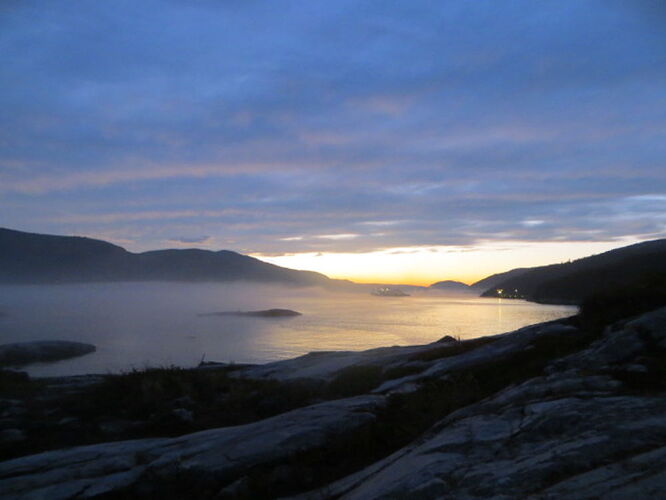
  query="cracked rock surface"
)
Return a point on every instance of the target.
[
  {"x": 576, "y": 432},
  {"x": 521, "y": 444},
  {"x": 88, "y": 471}
]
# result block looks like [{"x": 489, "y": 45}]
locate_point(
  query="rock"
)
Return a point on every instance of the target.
[
  {"x": 638, "y": 476},
  {"x": 226, "y": 453},
  {"x": 10, "y": 408},
  {"x": 183, "y": 402},
  {"x": 635, "y": 368},
  {"x": 502, "y": 347},
  {"x": 72, "y": 384},
  {"x": 183, "y": 415},
  {"x": 13, "y": 377},
  {"x": 325, "y": 365},
  {"x": 651, "y": 325},
  {"x": 267, "y": 313},
  {"x": 241, "y": 488},
  {"x": 23, "y": 353},
  {"x": 9, "y": 436},
  {"x": 554, "y": 444},
  {"x": 13, "y": 411},
  {"x": 116, "y": 426},
  {"x": 621, "y": 343},
  {"x": 69, "y": 422},
  {"x": 575, "y": 432},
  {"x": 5, "y": 403}
]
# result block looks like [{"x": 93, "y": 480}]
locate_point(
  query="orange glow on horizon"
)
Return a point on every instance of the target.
[
  {"x": 414, "y": 281},
  {"x": 423, "y": 266}
]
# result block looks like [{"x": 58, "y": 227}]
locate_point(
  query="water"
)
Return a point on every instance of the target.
[{"x": 135, "y": 325}]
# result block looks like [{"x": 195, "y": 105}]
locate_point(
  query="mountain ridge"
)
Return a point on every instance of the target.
[
  {"x": 571, "y": 282},
  {"x": 490, "y": 281},
  {"x": 451, "y": 286},
  {"x": 31, "y": 258}
]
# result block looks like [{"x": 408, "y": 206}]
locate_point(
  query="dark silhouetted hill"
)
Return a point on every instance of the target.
[
  {"x": 495, "y": 279},
  {"x": 451, "y": 286},
  {"x": 571, "y": 282},
  {"x": 38, "y": 258}
]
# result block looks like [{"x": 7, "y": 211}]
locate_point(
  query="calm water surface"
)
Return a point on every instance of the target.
[{"x": 135, "y": 325}]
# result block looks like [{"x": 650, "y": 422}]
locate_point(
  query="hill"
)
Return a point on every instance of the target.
[
  {"x": 451, "y": 286},
  {"x": 495, "y": 279},
  {"x": 572, "y": 282},
  {"x": 39, "y": 258}
]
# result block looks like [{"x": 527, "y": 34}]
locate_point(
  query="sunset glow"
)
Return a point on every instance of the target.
[
  {"x": 333, "y": 249},
  {"x": 403, "y": 143},
  {"x": 426, "y": 265}
]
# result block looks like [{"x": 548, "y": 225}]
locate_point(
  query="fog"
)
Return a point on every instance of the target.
[{"x": 135, "y": 325}]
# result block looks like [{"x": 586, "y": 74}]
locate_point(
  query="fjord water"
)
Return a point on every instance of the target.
[{"x": 136, "y": 325}]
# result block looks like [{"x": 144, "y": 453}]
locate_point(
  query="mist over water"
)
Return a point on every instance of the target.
[{"x": 135, "y": 325}]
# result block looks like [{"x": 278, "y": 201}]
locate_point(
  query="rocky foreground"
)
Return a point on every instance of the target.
[{"x": 563, "y": 409}]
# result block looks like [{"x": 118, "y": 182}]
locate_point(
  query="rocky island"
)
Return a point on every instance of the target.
[
  {"x": 265, "y": 313},
  {"x": 572, "y": 408},
  {"x": 23, "y": 353}
]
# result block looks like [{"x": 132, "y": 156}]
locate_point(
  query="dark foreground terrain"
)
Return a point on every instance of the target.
[{"x": 574, "y": 408}]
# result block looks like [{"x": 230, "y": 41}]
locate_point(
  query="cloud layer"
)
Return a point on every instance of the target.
[{"x": 319, "y": 126}]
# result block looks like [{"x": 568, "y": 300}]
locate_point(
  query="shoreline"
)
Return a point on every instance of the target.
[{"x": 181, "y": 338}]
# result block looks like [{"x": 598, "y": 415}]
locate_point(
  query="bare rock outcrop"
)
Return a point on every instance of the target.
[
  {"x": 225, "y": 453},
  {"x": 578, "y": 431},
  {"x": 549, "y": 438}
]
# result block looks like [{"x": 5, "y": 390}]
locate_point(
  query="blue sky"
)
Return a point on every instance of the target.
[{"x": 319, "y": 127}]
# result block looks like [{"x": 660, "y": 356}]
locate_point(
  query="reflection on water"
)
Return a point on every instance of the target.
[{"x": 135, "y": 325}]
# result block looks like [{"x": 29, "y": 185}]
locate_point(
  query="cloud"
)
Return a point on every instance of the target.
[
  {"x": 142, "y": 216},
  {"x": 201, "y": 240},
  {"x": 343, "y": 236},
  {"x": 334, "y": 126},
  {"x": 532, "y": 222}
]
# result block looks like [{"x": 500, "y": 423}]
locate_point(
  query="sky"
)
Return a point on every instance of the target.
[{"x": 371, "y": 140}]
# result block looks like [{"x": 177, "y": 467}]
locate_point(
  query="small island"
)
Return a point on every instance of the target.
[
  {"x": 24, "y": 353},
  {"x": 266, "y": 313}
]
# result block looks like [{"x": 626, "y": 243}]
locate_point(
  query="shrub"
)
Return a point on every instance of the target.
[
  {"x": 648, "y": 292},
  {"x": 354, "y": 380}
]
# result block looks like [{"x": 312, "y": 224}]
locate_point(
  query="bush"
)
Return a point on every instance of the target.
[
  {"x": 215, "y": 398},
  {"x": 603, "y": 308},
  {"x": 16, "y": 384},
  {"x": 354, "y": 380}
]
